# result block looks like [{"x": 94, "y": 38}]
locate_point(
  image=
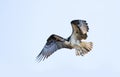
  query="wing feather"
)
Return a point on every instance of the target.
[
  {"x": 81, "y": 27},
  {"x": 54, "y": 42}
]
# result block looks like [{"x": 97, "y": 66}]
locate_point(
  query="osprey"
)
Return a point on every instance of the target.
[{"x": 74, "y": 41}]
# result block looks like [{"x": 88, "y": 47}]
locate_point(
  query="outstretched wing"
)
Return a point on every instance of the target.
[
  {"x": 54, "y": 42},
  {"x": 81, "y": 27}
]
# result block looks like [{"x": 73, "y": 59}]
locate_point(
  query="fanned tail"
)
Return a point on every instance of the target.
[{"x": 85, "y": 47}]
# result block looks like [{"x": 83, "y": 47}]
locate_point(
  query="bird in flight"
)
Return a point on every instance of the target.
[{"x": 74, "y": 41}]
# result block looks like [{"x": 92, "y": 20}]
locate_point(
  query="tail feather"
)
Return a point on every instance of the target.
[{"x": 85, "y": 47}]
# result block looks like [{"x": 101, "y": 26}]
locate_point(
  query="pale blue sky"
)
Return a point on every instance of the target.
[{"x": 26, "y": 24}]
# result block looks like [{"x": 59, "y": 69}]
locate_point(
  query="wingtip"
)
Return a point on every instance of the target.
[{"x": 40, "y": 57}]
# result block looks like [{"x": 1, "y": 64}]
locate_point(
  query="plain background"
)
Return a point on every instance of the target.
[{"x": 26, "y": 24}]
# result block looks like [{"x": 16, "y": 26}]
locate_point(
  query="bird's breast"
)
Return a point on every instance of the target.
[{"x": 74, "y": 41}]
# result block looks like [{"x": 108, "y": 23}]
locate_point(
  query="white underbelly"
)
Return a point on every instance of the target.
[{"x": 75, "y": 43}]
